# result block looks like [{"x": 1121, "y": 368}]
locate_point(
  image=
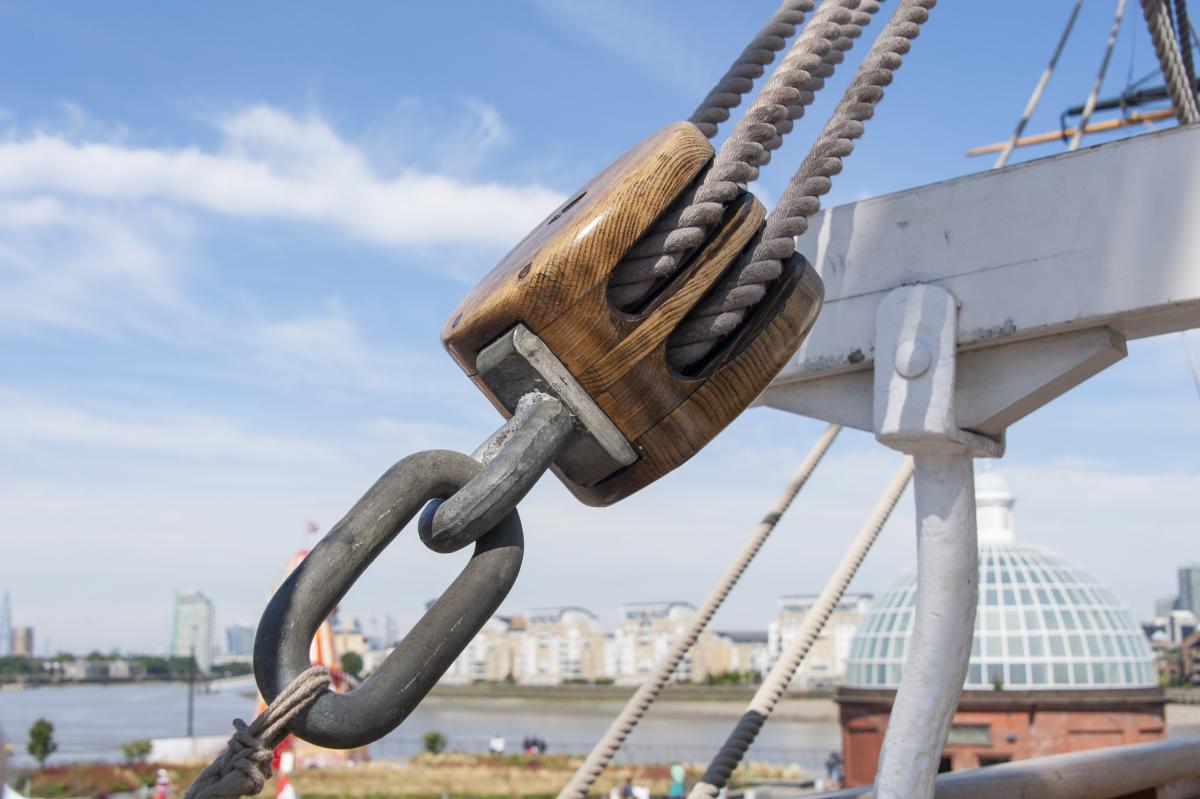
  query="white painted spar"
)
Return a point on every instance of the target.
[{"x": 1100, "y": 238}]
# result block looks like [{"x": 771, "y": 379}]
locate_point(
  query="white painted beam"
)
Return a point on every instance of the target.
[{"x": 1103, "y": 237}]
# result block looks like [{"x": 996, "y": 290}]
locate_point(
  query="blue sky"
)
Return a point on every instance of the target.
[{"x": 230, "y": 234}]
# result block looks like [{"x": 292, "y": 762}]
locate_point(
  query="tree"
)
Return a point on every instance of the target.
[
  {"x": 435, "y": 742},
  {"x": 137, "y": 750},
  {"x": 352, "y": 664},
  {"x": 41, "y": 742}
]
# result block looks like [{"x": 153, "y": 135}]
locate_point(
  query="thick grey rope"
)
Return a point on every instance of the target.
[
  {"x": 1184, "y": 28},
  {"x": 720, "y": 313},
  {"x": 782, "y": 100},
  {"x": 245, "y": 765},
  {"x": 781, "y": 674},
  {"x": 1090, "y": 105},
  {"x": 604, "y": 751},
  {"x": 1183, "y": 99},
  {"x": 739, "y": 78},
  {"x": 1039, "y": 89}
]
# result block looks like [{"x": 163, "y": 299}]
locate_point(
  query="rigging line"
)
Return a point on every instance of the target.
[
  {"x": 604, "y": 751},
  {"x": 812, "y": 57},
  {"x": 721, "y": 312},
  {"x": 751, "y": 64},
  {"x": 1039, "y": 89},
  {"x": 1166, "y": 47},
  {"x": 1183, "y": 27},
  {"x": 780, "y": 677},
  {"x": 1090, "y": 105}
]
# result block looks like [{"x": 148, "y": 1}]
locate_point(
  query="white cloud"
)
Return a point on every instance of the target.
[
  {"x": 75, "y": 265},
  {"x": 98, "y": 233},
  {"x": 273, "y": 165},
  {"x": 28, "y": 420}
]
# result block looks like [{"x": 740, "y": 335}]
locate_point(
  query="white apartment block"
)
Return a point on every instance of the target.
[{"x": 825, "y": 665}]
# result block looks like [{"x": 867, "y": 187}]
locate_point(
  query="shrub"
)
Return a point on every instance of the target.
[{"x": 435, "y": 742}]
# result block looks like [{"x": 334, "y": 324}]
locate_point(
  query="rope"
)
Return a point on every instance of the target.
[
  {"x": 684, "y": 227},
  {"x": 1183, "y": 99},
  {"x": 604, "y": 751},
  {"x": 719, "y": 313},
  {"x": 770, "y": 692},
  {"x": 1090, "y": 105},
  {"x": 245, "y": 765},
  {"x": 739, "y": 78},
  {"x": 1036, "y": 97},
  {"x": 1184, "y": 28}
]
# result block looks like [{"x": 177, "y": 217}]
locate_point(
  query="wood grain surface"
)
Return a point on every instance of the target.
[{"x": 555, "y": 282}]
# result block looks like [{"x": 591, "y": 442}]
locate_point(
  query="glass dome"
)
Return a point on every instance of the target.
[{"x": 1042, "y": 624}]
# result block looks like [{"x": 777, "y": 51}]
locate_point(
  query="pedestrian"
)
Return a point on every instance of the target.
[
  {"x": 162, "y": 785},
  {"x": 496, "y": 745},
  {"x": 678, "y": 778},
  {"x": 833, "y": 767},
  {"x": 627, "y": 789}
]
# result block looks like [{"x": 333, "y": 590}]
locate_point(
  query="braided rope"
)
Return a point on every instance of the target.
[
  {"x": 739, "y": 78},
  {"x": 719, "y": 313},
  {"x": 792, "y": 86},
  {"x": 1184, "y": 28},
  {"x": 606, "y": 749},
  {"x": 245, "y": 765},
  {"x": 1183, "y": 99},
  {"x": 780, "y": 677}
]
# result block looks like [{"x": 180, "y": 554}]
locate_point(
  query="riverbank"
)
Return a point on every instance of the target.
[
  {"x": 592, "y": 692},
  {"x": 425, "y": 776}
]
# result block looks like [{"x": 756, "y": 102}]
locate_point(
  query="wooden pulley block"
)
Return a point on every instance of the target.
[{"x": 547, "y": 303}]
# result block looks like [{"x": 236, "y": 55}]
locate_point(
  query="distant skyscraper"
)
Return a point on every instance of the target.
[
  {"x": 1164, "y": 605},
  {"x": 193, "y": 629},
  {"x": 1189, "y": 588},
  {"x": 22, "y": 642},
  {"x": 6, "y": 641},
  {"x": 239, "y": 640}
]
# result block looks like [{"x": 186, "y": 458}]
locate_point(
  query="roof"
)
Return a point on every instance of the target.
[{"x": 1042, "y": 624}]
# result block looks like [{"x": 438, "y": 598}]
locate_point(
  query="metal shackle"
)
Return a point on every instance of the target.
[{"x": 311, "y": 592}]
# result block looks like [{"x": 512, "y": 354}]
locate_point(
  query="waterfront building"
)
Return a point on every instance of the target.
[
  {"x": 81, "y": 669},
  {"x": 1057, "y": 664},
  {"x": 562, "y": 644},
  {"x": 644, "y": 636},
  {"x": 494, "y": 654},
  {"x": 1189, "y": 659},
  {"x": 350, "y": 639},
  {"x": 22, "y": 641},
  {"x": 1179, "y": 625},
  {"x": 192, "y": 632},
  {"x": 825, "y": 665},
  {"x": 741, "y": 652},
  {"x": 239, "y": 640},
  {"x": 6, "y": 644},
  {"x": 1189, "y": 589}
]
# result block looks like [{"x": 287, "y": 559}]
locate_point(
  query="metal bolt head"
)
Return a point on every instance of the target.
[{"x": 912, "y": 358}]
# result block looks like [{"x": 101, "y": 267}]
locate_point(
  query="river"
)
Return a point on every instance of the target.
[{"x": 92, "y": 721}]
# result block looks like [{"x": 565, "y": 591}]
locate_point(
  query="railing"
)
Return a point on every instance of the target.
[{"x": 1161, "y": 770}]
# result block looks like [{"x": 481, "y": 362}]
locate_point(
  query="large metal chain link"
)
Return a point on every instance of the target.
[{"x": 313, "y": 590}]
